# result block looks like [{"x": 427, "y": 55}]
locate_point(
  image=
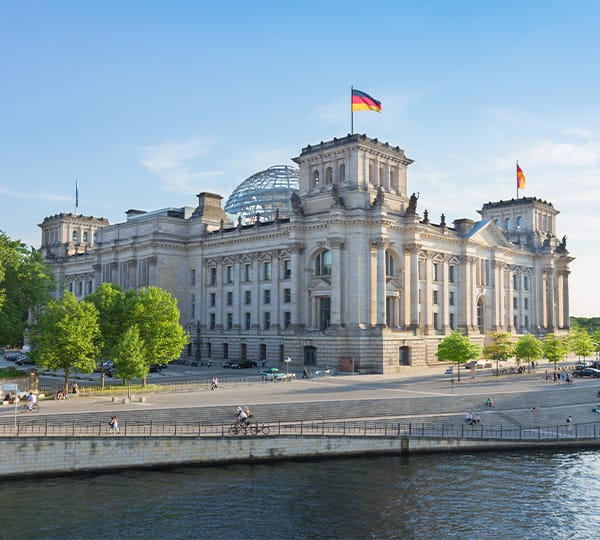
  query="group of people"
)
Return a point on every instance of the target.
[
  {"x": 472, "y": 419},
  {"x": 243, "y": 415},
  {"x": 64, "y": 394},
  {"x": 561, "y": 377}
]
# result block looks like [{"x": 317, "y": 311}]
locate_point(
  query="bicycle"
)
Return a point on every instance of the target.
[
  {"x": 258, "y": 429},
  {"x": 236, "y": 428},
  {"x": 35, "y": 408}
]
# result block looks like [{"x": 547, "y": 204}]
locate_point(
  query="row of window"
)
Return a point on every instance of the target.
[
  {"x": 247, "y": 273},
  {"x": 77, "y": 287},
  {"x": 247, "y": 320}
]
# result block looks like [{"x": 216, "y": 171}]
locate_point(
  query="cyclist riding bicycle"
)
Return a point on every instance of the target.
[{"x": 241, "y": 416}]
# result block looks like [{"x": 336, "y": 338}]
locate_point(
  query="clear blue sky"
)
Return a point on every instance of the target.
[{"x": 147, "y": 103}]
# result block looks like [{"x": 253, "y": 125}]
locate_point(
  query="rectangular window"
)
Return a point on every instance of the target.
[
  {"x": 287, "y": 269},
  {"x": 79, "y": 288},
  {"x": 213, "y": 299},
  {"x": 451, "y": 274},
  {"x": 193, "y": 306},
  {"x": 419, "y": 296},
  {"x": 515, "y": 321},
  {"x": 516, "y": 282},
  {"x": 230, "y": 298},
  {"x": 287, "y": 296},
  {"x": 247, "y": 272},
  {"x": 89, "y": 287},
  {"x": 287, "y": 319},
  {"x": 452, "y": 323},
  {"x": 213, "y": 321},
  {"x": 229, "y": 321},
  {"x": 526, "y": 282},
  {"x": 435, "y": 321},
  {"x": 229, "y": 274},
  {"x": 526, "y": 322},
  {"x": 267, "y": 271},
  {"x": 266, "y": 320},
  {"x": 193, "y": 277},
  {"x": 436, "y": 272},
  {"x": 324, "y": 312},
  {"x": 247, "y": 320},
  {"x": 451, "y": 298},
  {"x": 435, "y": 297},
  {"x": 225, "y": 350},
  {"x": 515, "y": 302},
  {"x": 525, "y": 303},
  {"x": 212, "y": 276},
  {"x": 247, "y": 297},
  {"x": 267, "y": 296}
]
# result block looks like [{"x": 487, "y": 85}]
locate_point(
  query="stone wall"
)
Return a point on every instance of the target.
[{"x": 21, "y": 456}]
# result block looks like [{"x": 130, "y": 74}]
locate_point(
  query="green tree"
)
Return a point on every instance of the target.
[
  {"x": 128, "y": 356},
  {"x": 581, "y": 343},
  {"x": 25, "y": 286},
  {"x": 155, "y": 313},
  {"x": 529, "y": 348},
  {"x": 458, "y": 348},
  {"x": 596, "y": 341},
  {"x": 555, "y": 349},
  {"x": 500, "y": 349},
  {"x": 65, "y": 336},
  {"x": 113, "y": 319}
]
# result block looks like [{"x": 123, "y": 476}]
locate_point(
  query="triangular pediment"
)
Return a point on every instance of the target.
[
  {"x": 486, "y": 232},
  {"x": 319, "y": 284},
  {"x": 393, "y": 285}
]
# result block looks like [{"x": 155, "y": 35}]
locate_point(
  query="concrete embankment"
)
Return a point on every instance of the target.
[{"x": 65, "y": 455}]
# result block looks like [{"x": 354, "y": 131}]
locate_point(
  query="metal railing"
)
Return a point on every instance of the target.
[{"x": 352, "y": 428}]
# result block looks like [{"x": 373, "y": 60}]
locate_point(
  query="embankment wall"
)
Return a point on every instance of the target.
[{"x": 22, "y": 456}]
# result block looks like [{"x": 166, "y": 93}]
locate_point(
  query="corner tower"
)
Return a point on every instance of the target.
[{"x": 355, "y": 170}]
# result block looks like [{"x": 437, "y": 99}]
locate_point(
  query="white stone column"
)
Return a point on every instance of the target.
[
  {"x": 511, "y": 312},
  {"x": 551, "y": 301},
  {"x": 445, "y": 299},
  {"x": 276, "y": 299},
  {"x": 565, "y": 299},
  {"x": 256, "y": 300},
  {"x": 237, "y": 293},
  {"x": 428, "y": 297},
  {"x": 336, "y": 281},
  {"x": 380, "y": 276},
  {"x": 414, "y": 285}
]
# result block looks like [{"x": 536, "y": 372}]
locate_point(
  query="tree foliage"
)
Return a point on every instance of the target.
[
  {"x": 591, "y": 324},
  {"x": 500, "y": 349},
  {"x": 25, "y": 286},
  {"x": 580, "y": 342},
  {"x": 529, "y": 348},
  {"x": 128, "y": 356},
  {"x": 66, "y": 335},
  {"x": 458, "y": 348},
  {"x": 555, "y": 348}
]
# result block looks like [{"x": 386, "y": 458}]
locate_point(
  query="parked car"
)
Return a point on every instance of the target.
[
  {"x": 244, "y": 364},
  {"x": 275, "y": 374},
  {"x": 157, "y": 368},
  {"x": 23, "y": 360},
  {"x": 228, "y": 364},
  {"x": 12, "y": 355},
  {"x": 587, "y": 372}
]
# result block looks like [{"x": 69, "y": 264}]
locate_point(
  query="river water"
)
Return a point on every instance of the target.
[{"x": 524, "y": 495}]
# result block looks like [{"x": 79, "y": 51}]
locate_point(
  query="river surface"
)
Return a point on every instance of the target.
[{"x": 524, "y": 495}]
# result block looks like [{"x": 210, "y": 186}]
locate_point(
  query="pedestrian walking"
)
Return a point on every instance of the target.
[
  {"x": 113, "y": 425},
  {"x": 305, "y": 373},
  {"x": 569, "y": 424},
  {"x": 214, "y": 383}
]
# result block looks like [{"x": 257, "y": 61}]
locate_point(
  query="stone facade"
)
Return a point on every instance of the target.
[{"x": 355, "y": 276}]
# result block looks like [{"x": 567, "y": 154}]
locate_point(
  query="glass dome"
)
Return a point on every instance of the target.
[{"x": 263, "y": 193}]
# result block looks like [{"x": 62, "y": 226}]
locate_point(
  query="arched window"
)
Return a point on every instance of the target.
[
  {"x": 74, "y": 236},
  {"x": 329, "y": 176},
  {"x": 342, "y": 173},
  {"x": 85, "y": 237},
  {"x": 507, "y": 224},
  {"x": 519, "y": 222},
  {"x": 315, "y": 181},
  {"x": 390, "y": 269},
  {"x": 323, "y": 263}
]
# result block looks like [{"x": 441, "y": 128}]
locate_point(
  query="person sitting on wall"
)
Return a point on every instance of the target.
[{"x": 489, "y": 402}]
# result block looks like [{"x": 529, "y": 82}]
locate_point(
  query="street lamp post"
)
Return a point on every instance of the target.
[{"x": 287, "y": 361}]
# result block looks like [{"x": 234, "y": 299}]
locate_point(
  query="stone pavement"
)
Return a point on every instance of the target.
[{"x": 423, "y": 395}]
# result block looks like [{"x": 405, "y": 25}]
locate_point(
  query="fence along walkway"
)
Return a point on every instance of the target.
[{"x": 364, "y": 428}]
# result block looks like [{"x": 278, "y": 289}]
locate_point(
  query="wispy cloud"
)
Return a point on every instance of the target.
[
  {"x": 178, "y": 164},
  {"x": 41, "y": 196}
]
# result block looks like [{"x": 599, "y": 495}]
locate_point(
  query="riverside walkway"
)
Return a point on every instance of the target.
[{"x": 424, "y": 397}]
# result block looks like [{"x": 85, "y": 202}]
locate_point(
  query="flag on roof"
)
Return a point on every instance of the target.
[
  {"x": 364, "y": 102},
  {"x": 520, "y": 178}
]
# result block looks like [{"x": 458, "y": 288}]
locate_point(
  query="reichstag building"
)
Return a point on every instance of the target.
[{"x": 332, "y": 263}]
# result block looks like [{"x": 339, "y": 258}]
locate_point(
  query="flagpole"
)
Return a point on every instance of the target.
[
  {"x": 517, "y": 169},
  {"x": 351, "y": 112}
]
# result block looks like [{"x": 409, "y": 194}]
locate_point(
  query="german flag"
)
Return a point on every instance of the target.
[
  {"x": 520, "y": 178},
  {"x": 364, "y": 102}
]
